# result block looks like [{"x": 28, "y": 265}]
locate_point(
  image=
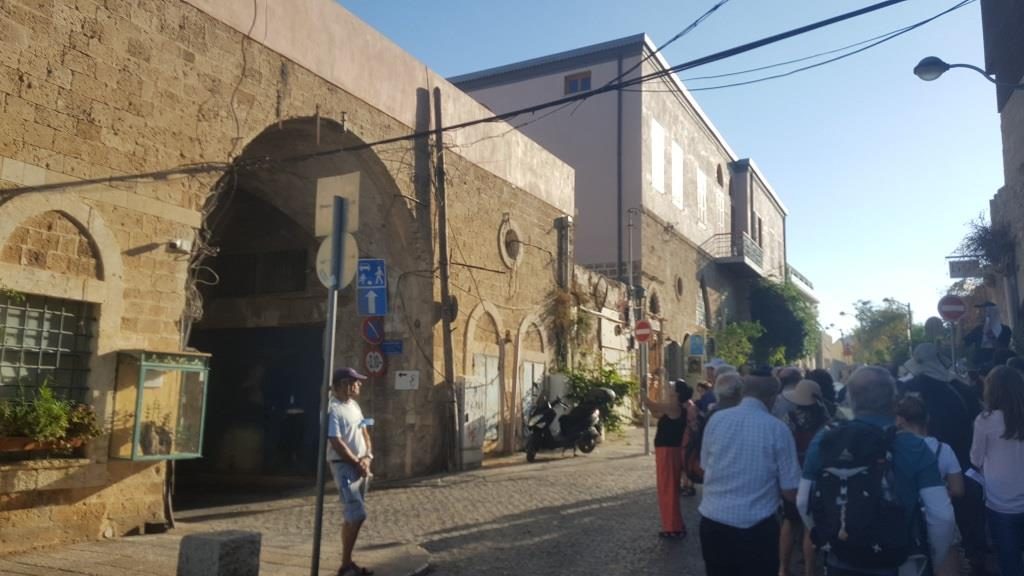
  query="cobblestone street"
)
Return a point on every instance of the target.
[
  {"x": 593, "y": 514},
  {"x": 584, "y": 515}
]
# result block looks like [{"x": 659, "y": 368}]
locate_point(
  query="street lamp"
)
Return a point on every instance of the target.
[{"x": 931, "y": 68}]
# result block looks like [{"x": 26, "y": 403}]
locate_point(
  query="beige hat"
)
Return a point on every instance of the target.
[{"x": 805, "y": 393}]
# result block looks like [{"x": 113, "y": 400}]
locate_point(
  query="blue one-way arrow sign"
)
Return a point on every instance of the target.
[{"x": 372, "y": 287}]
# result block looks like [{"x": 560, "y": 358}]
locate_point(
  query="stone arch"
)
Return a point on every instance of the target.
[
  {"x": 107, "y": 290},
  {"x": 85, "y": 217},
  {"x": 472, "y": 324},
  {"x": 531, "y": 321}
]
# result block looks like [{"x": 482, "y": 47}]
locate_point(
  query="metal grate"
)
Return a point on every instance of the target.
[{"x": 45, "y": 340}]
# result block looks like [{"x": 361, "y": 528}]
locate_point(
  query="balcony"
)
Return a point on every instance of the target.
[
  {"x": 739, "y": 252},
  {"x": 802, "y": 283}
]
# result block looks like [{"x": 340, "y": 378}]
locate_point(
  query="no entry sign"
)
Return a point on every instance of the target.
[
  {"x": 643, "y": 331},
  {"x": 952, "y": 308}
]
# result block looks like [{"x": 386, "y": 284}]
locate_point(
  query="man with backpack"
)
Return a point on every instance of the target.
[{"x": 871, "y": 495}]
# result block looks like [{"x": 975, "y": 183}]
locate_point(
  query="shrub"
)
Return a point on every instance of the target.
[
  {"x": 47, "y": 418},
  {"x": 583, "y": 381}
]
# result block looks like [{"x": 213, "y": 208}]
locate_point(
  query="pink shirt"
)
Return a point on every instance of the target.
[{"x": 1001, "y": 462}]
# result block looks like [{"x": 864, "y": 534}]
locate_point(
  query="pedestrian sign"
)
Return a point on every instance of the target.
[{"x": 372, "y": 287}]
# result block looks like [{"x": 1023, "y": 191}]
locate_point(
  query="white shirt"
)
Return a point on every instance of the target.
[
  {"x": 345, "y": 422},
  {"x": 1001, "y": 462},
  {"x": 749, "y": 457},
  {"x": 948, "y": 464}
]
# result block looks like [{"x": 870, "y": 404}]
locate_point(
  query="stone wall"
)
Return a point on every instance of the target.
[{"x": 94, "y": 89}]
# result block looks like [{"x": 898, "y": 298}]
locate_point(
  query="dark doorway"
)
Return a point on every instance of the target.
[{"x": 263, "y": 400}]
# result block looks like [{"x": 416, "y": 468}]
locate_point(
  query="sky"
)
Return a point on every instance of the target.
[{"x": 880, "y": 171}]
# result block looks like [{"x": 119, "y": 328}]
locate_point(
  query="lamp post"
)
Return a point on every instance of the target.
[{"x": 930, "y": 68}]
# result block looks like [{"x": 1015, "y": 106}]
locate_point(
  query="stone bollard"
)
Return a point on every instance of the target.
[{"x": 227, "y": 553}]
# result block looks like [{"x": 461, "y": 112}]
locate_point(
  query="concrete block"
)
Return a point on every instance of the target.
[{"x": 227, "y": 553}]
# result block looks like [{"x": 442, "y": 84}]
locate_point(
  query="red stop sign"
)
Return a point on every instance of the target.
[
  {"x": 952, "y": 308},
  {"x": 643, "y": 331}
]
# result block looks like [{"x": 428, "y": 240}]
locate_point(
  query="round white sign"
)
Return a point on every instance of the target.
[{"x": 349, "y": 262}]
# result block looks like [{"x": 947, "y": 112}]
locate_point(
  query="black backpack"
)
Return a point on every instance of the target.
[{"x": 856, "y": 516}]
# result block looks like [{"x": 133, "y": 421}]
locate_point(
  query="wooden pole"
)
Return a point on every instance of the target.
[{"x": 452, "y": 440}]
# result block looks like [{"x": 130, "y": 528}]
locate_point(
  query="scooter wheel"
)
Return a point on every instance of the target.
[{"x": 587, "y": 444}]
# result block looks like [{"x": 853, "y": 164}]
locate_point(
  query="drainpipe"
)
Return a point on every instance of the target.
[{"x": 618, "y": 175}]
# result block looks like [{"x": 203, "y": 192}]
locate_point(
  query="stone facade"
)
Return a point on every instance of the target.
[
  {"x": 659, "y": 190},
  {"x": 1003, "y": 24},
  {"x": 94, "y": 90}
]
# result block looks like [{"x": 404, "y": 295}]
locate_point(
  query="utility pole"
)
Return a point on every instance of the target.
[
  {"x": 452, "y": 437},
  {"x": 636, "y": 303}
]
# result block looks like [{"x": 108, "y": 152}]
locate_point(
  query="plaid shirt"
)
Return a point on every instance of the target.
[{"x": 749, "y": 457}]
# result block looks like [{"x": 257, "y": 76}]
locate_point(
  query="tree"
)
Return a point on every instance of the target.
[
  {"x": 735, "y": 342},
  {"x": 881, "y": 333},
  {"x": 789, "y": 320}
]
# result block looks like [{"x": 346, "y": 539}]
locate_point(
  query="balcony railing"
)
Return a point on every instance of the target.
[
  {"x": 722, "y": 246},
  {"x": 794, "y": 273}
]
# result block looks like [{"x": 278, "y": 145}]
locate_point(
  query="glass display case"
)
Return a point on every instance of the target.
[{"x": 159, "y": 405}]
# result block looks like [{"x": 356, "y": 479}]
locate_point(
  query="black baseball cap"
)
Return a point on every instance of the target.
[{"x": 347, "y": 374}]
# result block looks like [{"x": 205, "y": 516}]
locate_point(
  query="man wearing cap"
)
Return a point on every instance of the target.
[{"x": 350, "y": 455}]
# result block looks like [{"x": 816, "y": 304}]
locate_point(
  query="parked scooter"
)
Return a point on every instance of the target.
[{"x": 578, "y": 429}]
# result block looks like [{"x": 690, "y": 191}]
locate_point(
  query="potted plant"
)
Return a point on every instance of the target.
[{"x": 45, "y": 422}]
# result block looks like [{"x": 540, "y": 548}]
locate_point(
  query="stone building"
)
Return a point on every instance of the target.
[
  {"x": 659, "y": 192},
  {"x": 1003, "y": 24},
  {"x": 159, "y": 164}
]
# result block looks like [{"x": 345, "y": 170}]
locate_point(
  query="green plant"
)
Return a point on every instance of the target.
[
  {"x": 47, "y": 418},
  {"x": 583, "y": 381},
  {"x": 736, "y": 342},
  {"x": 992, "y": 244},
  {"x": 82, "y": 423},
  {"x": 789, "y": 320}
]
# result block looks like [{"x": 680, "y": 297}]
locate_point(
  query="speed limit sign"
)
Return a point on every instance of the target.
[{"x": 374, "y": 361}]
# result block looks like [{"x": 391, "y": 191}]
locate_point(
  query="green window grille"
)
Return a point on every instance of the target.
[{"x": 45, "y": 340}]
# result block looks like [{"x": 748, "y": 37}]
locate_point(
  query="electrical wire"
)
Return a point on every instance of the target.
[
  {"x": 693, "y": 25},
  {"x": 883, "y": 40},
  {"x": 266, "y": 160}
]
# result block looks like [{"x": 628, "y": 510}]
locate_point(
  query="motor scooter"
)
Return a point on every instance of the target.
[{"x": 578, "y": 429}]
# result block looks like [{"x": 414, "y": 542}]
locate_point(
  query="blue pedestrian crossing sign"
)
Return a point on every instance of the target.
[{"x": 372, "y": 287}]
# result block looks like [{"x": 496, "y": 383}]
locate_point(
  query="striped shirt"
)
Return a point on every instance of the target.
[{"x": 749, "y": 457}]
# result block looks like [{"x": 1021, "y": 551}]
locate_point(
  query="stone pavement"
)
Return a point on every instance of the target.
[{"x": 592, "y": 514}]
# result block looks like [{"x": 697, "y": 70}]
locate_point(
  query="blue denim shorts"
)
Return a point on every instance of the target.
[{"x": 352, "y": 490}]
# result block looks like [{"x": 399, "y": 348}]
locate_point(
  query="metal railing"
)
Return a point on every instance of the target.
[
  {"x": 794, "y": 273},
  {"x": 723, "y": 246}
]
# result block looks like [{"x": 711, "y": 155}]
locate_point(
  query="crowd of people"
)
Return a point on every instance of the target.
[{"x": 889, "y": 475}]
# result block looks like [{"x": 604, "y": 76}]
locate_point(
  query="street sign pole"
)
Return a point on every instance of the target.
[
  {"x": 338, "y": 245},
  {"x": 644, "y": 391}
]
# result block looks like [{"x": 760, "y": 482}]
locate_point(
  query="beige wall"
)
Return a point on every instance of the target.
[
  {"x": 327, "y": 40},
  {"x": 704, "y": 156},
  {"x": 584, "y": 136},
  {"x": 91, "y": 90}
]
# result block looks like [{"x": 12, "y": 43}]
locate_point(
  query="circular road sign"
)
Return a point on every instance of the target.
[
  {"x": 349, "y": 260},
  {"x": 643, "y": 331},
  {"x": 373, "y": 330},
  {"x": 952, "y": 308},
  {"x": 374, "y": 362}
]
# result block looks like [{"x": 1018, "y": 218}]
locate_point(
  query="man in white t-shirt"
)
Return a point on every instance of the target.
[{"x": 349, "y": 455}]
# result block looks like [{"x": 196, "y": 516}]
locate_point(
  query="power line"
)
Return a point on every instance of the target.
[
  {"x": 218, "y": 167},
  {"x": 885, "y": 39},
  {"x": 682, "y": 33}
]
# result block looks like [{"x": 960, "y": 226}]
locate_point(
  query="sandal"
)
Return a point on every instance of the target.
[{"x": 673, "y": 535}]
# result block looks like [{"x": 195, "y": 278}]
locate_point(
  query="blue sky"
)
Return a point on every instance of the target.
[{"x": 880, "y": 171}]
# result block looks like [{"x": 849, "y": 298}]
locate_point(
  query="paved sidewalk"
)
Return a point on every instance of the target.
[{"x": 592, "y": 514}]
